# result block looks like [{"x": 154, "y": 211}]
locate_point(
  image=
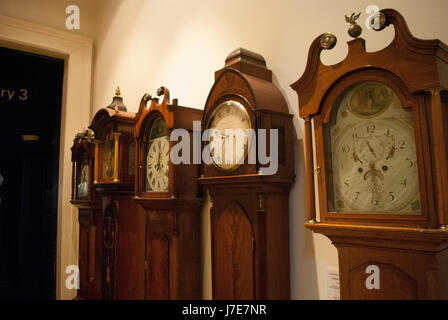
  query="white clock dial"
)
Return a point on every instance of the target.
[
  {"x": 230, "y": 153},
  {"x": 157, "y": 162},
  {"x": 157, "y": 158},
  {"x": 371, "y": 161}
]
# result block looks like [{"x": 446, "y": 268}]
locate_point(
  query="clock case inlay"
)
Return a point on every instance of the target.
[
  {"x": 250, "y": 212},
  {"x": 411, "y": 250},
  {"x": 172, "y": 220}
]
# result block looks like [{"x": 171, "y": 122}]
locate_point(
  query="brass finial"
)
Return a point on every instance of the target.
[
  {"x": 355, "y": 29},
  {"x": 117, "y": 92},
  {"x": 378, "y": 21},
  {"x": 328, "y": 41}
]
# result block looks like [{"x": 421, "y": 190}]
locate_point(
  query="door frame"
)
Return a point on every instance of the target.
[{"x": 76, "y": 111}]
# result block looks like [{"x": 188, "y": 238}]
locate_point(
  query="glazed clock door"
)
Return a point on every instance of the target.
[
  {"x": 371, "y": 159},
  {"x": 108, "y": 156},
  {"x": 157, "y": 158},
  {"x": 233, "y": 260}
]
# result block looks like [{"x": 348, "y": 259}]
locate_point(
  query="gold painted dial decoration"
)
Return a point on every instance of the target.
[
  {"x": 157, "y": 158},
  {"x": 370, "y": 152},
  {"x": 108, "y": 156},
  {"x": 231, "y": 121},
  {"x": 369, "y": 99}
]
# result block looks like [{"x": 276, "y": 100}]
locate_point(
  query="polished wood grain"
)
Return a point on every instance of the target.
[
  {"x": 233, "y": 277},
  {"x": 250, "y": 212},
  {"x": 412, "y": 261},
  {"x": 171, "y": 219},
  {"x": 411, "y": 251},
  {"x": 119, "y": 232}
]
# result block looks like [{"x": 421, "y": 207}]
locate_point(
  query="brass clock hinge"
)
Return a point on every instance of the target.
[{"x": 317, "y": 170}]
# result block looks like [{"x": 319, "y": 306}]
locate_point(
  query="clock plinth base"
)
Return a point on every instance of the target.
[{"x": 411, "y": 262}]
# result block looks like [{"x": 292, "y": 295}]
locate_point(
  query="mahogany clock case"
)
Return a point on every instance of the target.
[
  {"x": 250, "y": 214},
  {"x": 119, "y": 123},
  {"x": 172, "y": 219},
  {"x": 182, "y": 177},
  {"x": 121, "y": 264},
  {"x": 410, "y": 77},
  {"x": 409, "y": 248}
]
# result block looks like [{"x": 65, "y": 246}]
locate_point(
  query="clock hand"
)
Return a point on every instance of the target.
[
  {"x": 391, "y": 152},
  {"x": 370, "y": 148},
  {"x": 356, "y": 158}
]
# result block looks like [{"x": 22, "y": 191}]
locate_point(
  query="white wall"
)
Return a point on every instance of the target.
[
  {"x": 51, "y": 13},
  {"x": 180, "y": 43}
]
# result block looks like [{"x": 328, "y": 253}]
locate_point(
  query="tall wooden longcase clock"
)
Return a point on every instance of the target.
[
  {"x": 250, "y": 212},
  {"x": 114, "y": 172},
  {"x": 378, "y": 121},
  {"x": 168, "y": 191},
  {"x": 86, "y": 200}
]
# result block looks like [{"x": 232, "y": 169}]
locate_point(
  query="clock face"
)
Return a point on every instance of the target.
[
  {"x": 108, "y": 156},
  {"x": 230, "y": 120},
  {"x": 370, "y": 153},
  {"x": 83, "y": 180},
  {"x": 157, "y": 158}
]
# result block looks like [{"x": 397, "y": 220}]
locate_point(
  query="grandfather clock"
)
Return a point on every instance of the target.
[
  {"x": 86, "y": 200},
  {"x": 379, "y": 125},
  {"x": 114, "y": 181},
  {"x": 168, "y": 190},
  {"x": 250, "y": 212}
]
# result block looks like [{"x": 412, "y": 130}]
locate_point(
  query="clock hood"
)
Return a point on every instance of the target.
[
  {"x": 114, "y": 115},
  {"x": 245, "y": 75}
]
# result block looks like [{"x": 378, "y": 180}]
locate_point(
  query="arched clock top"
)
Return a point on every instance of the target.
[
  {"x": 347, "y": 81},
  {"x": 147, "y": 114},
  {"x": 245, "y": 75},
  {"x": 419, "y": 65}
]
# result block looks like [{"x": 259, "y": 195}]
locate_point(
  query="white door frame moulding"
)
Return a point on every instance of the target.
[{"x": 75, "y": 116}]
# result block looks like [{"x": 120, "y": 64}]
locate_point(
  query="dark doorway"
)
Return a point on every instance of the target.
[{"x": 30, "y": 117}]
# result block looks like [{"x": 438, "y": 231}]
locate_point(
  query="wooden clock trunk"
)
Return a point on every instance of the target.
[
  {"x": 250, "y": 210},
  {"x": 171, "y": 220},
  {"x": 89, "y": 218},
  {"x": 118, "y": 240}
]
